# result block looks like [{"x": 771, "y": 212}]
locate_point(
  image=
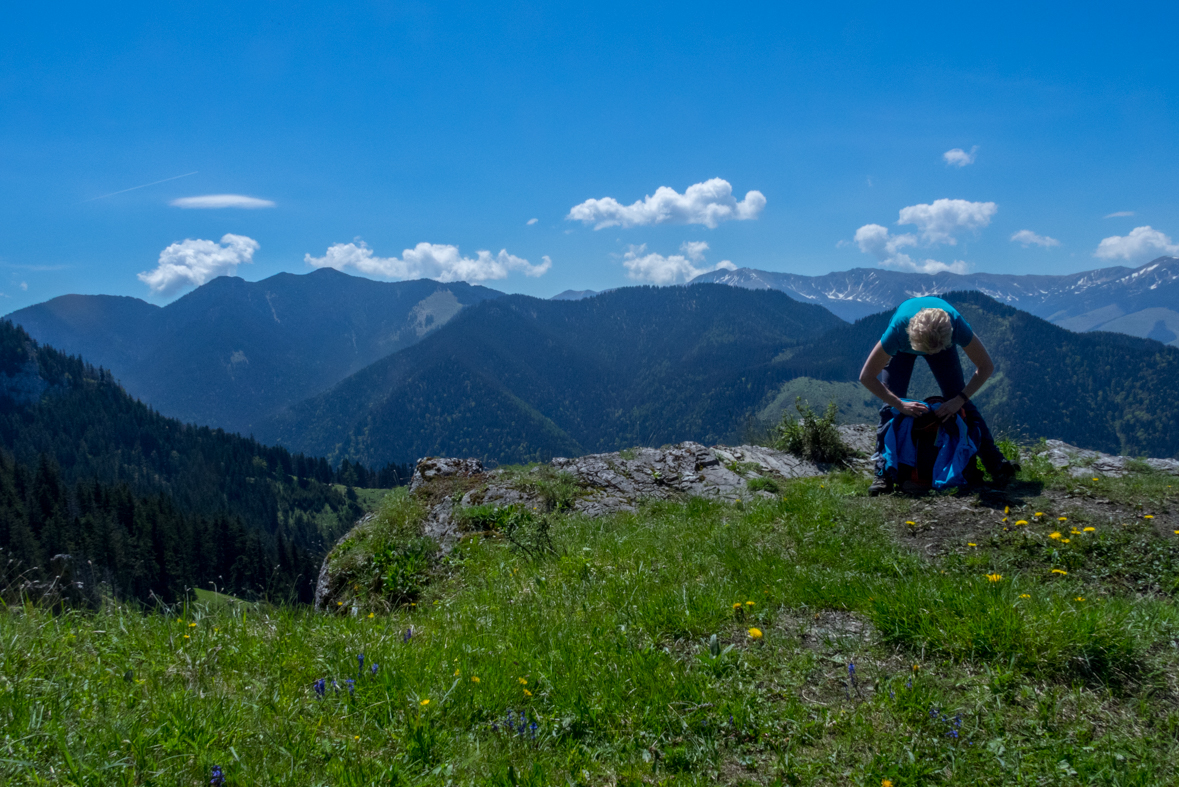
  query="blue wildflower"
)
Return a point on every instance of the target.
[
  {"x": 320, "y": 687},
  {"x": 336, "y": 686},
  {"x": 360, "y": 662},
  {"x": 373, "y": 668},
  {"x": 218, "y": 777},
  {"x": 532, "y": 727},
  {"x": 351, "y": 686},
  {"x": 408, "y": 634}
]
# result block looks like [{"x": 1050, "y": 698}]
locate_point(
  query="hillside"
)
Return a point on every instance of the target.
[
  {"x": 1104, "y": 391},
  {"x": 158, "y": 505},
  {"x": 232, "y": 352},
  {"x": 1141, "y": 301},
  {"x": 813, "y": 636},
  {"x": 520, "y": 378}
]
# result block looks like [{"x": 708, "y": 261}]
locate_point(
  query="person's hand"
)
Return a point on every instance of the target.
[
  {"x": 950, "y": 408},
  {"x": 913, "y": 409}
]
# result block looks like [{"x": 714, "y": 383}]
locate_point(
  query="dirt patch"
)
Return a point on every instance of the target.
[{"x": 939, "y": 523}]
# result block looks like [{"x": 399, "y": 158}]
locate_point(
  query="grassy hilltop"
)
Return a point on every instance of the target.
[{"x": 818, "y": 637}]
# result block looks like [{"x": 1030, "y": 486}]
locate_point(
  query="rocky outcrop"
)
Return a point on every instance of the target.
[
  {"x": 1080, "y": 462},
  {"x": 595, "y": 485}
]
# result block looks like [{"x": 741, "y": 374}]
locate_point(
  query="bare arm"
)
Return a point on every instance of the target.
[
  {"x": 877, "y": 360},
  {"x": 984, "y": 367}
]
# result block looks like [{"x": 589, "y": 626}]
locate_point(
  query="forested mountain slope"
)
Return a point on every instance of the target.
[
  {"x": 520, "y": 378},
  {"x": 232, "y": 351},
  {"x": 1104, "y": 391},
  {"x": 157, "y": 505}
]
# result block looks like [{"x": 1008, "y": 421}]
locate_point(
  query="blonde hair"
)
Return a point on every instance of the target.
[{"x": 930, "y": 331}]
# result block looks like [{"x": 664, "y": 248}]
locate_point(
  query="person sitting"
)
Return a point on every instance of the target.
[{"x": 932, "y": 328}]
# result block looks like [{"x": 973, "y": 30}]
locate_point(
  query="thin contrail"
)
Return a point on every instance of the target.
[{"x": 145, "y": 185}]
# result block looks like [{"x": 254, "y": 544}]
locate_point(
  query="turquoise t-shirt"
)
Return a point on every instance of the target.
[{"x": 896, "y": 336}]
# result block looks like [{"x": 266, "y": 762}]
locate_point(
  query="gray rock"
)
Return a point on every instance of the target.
[
  {"x": 1079, "y": 462},
  {"x": 434, "y": 467}
]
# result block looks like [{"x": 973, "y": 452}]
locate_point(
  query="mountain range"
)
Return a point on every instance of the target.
[
  {"x": 1141, "y": 301},
  {"x": 517, "y": 379},
  {"x": 233, "y": 352}
]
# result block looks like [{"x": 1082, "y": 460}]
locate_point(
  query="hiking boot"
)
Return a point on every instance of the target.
[
  {"x": 1003, "y": 474},
  {"x": 881, "y": 485}
]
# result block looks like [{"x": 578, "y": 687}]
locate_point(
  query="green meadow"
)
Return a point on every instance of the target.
[{"x": 804, "y": 638}]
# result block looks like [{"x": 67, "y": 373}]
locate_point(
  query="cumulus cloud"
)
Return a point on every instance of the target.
[
  {"x": 940, "y": 220},
  {"x": 222, "y": 201},
  {"x": 532, "y": 221},
  {"x": 198, "y": 261},
  {"x": 1120, "y": 214},
  {"x": 657, "y": 269},
  {"x": 1140, "y": 245},
  {"x": 427, "y": 261},
  {"x": 937, "y": 224},
  {"x": 1028, "y": 238},
  {"x": 886, "y": 248},
  {"x": 958, "y": 157},
  {"x": 708, "y": 203}
]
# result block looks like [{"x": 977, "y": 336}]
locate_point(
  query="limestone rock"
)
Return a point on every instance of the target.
[{"x": 1079, "y": 462}]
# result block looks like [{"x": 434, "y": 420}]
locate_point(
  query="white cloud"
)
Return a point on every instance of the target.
[
  {"x": 937, "y": 224},
  {"x": 24, "y": 285},
  {"x": 708, "y": 203},
  {"x": 1028, "y": 238},
  {"x": 875, "y": 240},
  {"x": 959, "y": 157},
  {"x": 532, "y": 221},
  {"x": 427, "y": 261},
  {"x": 661, "y": 270},
  {"x": 222, "y": 201},
  {"x": 1141, "y": 244},
  {"x": 1120, "y": 214},
  {"x": 198, "y": 261},
  {"x": 939, "y": 221}
]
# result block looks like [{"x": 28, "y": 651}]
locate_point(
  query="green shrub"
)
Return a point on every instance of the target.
[{"x": 811, "y": 436}]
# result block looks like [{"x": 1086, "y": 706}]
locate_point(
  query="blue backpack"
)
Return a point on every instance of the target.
[{"x": 924, "y": 453}]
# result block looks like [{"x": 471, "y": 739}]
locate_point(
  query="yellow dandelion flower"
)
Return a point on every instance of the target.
[
  {"x": 886, "y": 783},
  {"x": 1080, "y": 598},
  {"x": 749, "y": 603},
  {"x": 1062, "y": 519},
  {"x": 456, "y": 673},
  {"x": 1060, "y": 571},
  {"x": 522, "y": 681},
  {"x": 737, "y": 605},
  {"x": 186, "y": 636},
  {"x": 1090, "y": 530},
  {"x": 1075, "y": 532},
  {"x": 424, "y": 703},
  {"x": 971, "y": 544},
  {"x": 339, "y": 603},
  {"x": 1094, "y": 479},
  {"x": 910, "y": 522},
  {"x": 192, "y": 625},
  {"x": 371, "y": 615},
  {"x": 1022, "y": 522},
  {"x": 1148, "y": 516},
  {"x": 1177, "y": 532},
  {"x": 355, "y": 737},
  {"x": 916, "y": 667},
  {"x": 755, "y": 633},
  {"x": 527, "y": 693},
  {"x": 1039, "y": 513},
  {"x": 474, "y": 679},
  {"x": 995, "y": 577},
  {"x": 1004, "y": 519},
  {"x": 1065, "y": 540},
  {"x": 1025, "y": 595},
  {"x": 1054, "y": 535},
  {"x": 1006, "y": 509}
]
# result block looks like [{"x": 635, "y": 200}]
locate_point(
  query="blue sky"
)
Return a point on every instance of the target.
[{"x": 382, "y": 126}]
